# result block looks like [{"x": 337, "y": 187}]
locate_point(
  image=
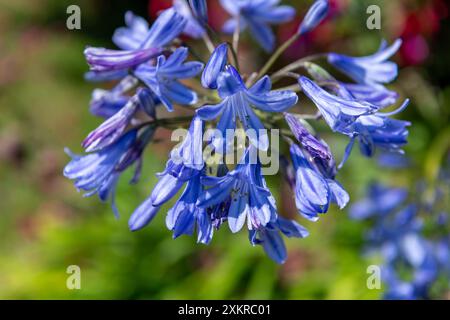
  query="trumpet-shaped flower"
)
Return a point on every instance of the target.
[
  {"x": 316, "y": 13},
  {"x": 313, "y": 191},
  {"x": 257, "y": 15},
  {"x": 251, "y": 200},
  {"x": 237, "y": 101},
  {"x": 97, "y": 172},
  {"x": 338, "y": 112}
]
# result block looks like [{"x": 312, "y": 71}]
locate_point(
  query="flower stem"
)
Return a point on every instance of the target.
[
  {"x": 295, "y": 65},
  {"x": 276, "y": 55}
]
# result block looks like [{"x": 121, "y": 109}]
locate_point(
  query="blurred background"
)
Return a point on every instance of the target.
[{"x": 45, "y": 225}]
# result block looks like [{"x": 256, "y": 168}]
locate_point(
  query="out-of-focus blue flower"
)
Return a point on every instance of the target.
[
  {"x": 237, "y": 101},
  {"x": 200, "y": 9},
  {"x": 111, "y": 130},
  {"x": 311, "y": 144},
  {"x": 185, "y": 215},
  {"x": 380, "y": 200},
  {"x": 138, "y": 46},
  {"x": 184, "y": 164},
  {"x": 257, "y": 15},
  {"x": 193, "y": 28},
  {"x": 393, "y": 160},
  {"x": 270, "y": 239},
  {"x": 313, "y": 191},
  {"x": 251, "y": 200},
  {"x": 216, "y": 64},
  {"x": 370, "y": 70},
  {"x": 97, "y": 172},
  {"x": 163, "y": 78},
  {"x": 315, "y": 15},
  {"x": 339, "y": 113}
]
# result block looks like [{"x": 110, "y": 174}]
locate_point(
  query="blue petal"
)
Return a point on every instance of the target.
[
  {"x": 215, "y": 66},
  {"x": 211, "y": 112},
  {"x": 273, "y": 101},
  {"x": 229, "y": 82},
  {"x": 274, "y": 246},
  {"x": 291, "y": 228},
  {"x": 165, "y": 189},
  {"x": 179, "y": 93},
  {"x": 264, "y": 85},
  {"x": 143, "y": 215},
  {"x": 133, "y": 35},
  {"x": 166, "y": 28}
]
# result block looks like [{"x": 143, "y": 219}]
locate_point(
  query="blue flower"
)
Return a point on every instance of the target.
[
  {"x": 111, "y": 130},
  {"x": 216, "y": 64},
  {"x": 163, "y": 78},
  {"x": 185, "y": 163},
  {"x": 377, "y": 95},
  {"x": 137, "y": 47},
  {"x": 311, "y": 144},
  {"x": 370, "y": 70},
  {"x": 193, "y": 28},
  {"x": 257, "y": 15},
  {"x": 338, "y": 112},
  {"x": 314, "y": 191},
  {"x": 380, "y": 200},
  {"x": 251, "y": 200},
  {"x": 133, "y": 35},
  {"x": 185, "y": 215},
  {"x": 315, "y": 15},
  {"x": 270, "y": 237},
  {"x": 237, "y": 101},
  {"x": 97, "y": 172}
]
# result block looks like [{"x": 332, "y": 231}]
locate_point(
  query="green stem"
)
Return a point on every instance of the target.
[
  {"x": 276, "y": 55},
  {"x": 295, "y": 65}
]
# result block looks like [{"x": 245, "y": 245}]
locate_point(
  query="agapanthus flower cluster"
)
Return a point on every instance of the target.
[
  {"x": 153, "y": 67},
  {"x": 410, "y": 233}
]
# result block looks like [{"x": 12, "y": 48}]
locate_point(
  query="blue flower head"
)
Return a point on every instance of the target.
[
  {"x": 251, "y": 200},
  {"x": 370, "y": 70},
  {"x": 163, "y": 78},
  {"x": 257, "y": 15},
  {"x": 237, "y": 101},
  {"x": 313, "y": 191}
]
